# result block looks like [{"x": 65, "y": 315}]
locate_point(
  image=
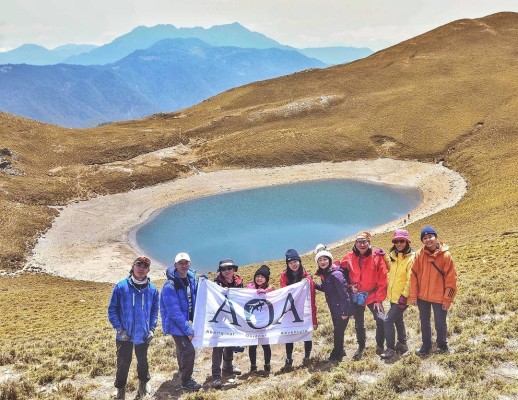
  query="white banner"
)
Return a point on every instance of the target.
[{"x": 241, "y": 317}]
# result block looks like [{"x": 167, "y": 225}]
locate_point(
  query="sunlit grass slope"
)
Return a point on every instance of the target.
[{"x": 449, "y": 95}]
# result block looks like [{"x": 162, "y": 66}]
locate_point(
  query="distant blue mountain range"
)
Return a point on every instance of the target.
[
  {"x": 170, "y": 75},
  {"x": 148, "y": 70},
  {"x": 143, "y": 37},
  {"x": 39, "y": 55}
]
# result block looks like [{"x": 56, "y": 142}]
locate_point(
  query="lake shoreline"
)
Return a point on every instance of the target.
[
  {"x": 263, "y": 222},
  {"x": 95, "y": 240}
]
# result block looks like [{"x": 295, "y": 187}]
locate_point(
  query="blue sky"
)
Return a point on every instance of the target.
[{"x": 376, "y": 24}]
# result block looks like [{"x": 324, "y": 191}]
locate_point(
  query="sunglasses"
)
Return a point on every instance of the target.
[
  {"x": 141, "y": 264},
  {"x": 223, "y": 269},
  {"x": 399, "y": 241}
]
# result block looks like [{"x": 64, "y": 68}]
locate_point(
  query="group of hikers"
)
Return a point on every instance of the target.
[{"x": 364, "y": 278}]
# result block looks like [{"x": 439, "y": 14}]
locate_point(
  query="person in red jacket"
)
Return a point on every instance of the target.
[
  {"x": 433, "y": 285},
  {"x": 368, "y": 275},
  {"x": 294, "y": 273}
]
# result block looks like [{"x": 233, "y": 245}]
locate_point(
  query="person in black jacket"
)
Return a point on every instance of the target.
[{"x": 227, "y": 278}]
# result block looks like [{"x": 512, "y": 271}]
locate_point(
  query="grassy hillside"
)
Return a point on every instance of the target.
[{"x": 450, "y": 95}]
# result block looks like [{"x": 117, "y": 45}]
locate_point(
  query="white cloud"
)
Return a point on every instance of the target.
[{"x": 300, "y": 23}]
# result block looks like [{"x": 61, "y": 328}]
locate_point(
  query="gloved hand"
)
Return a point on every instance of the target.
[
  {"x": 379, "y": 252},
  {"x": 204, "y": 276},
  {"x": 402, "y": 302},
  {"x": 261, "y": 291},
  {"x": 124, "y": 336},
  {"x": 150, "y": 337}
]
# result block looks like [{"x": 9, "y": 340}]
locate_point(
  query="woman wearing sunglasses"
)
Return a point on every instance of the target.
[
  {"x": 399, "y": 260},
  {"x": 226, "y": 278}
]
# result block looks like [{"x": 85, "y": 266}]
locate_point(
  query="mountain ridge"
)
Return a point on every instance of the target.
[
  {"x": 171, "y": 74},
  {"x": 142, "y": 37}
]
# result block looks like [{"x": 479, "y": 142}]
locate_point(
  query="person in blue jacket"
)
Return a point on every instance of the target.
[
  {"x": 133, "y": 313},
  {"x": 335, "y": 285},
  {"x": 177, "y": 302}
]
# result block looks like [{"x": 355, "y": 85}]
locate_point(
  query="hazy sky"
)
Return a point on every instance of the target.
[{"x": 376, "y": 24}]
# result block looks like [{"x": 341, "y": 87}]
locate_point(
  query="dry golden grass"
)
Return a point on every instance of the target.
[{"x": 449, "y": 94}]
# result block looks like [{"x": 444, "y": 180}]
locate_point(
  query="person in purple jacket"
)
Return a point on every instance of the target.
[{"x": 335, "y": 286}]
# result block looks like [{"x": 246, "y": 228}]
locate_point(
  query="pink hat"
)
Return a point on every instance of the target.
[{"x": 401, "y": 234}]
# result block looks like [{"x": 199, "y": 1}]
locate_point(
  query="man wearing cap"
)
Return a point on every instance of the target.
[
  {"x": 226, "y": 278},
  {"x": 177, "y": 302},
  {"x": 368, "y": 275},
  {"x": 133, "y": 313},
  {"x": 433, "y": 286}
]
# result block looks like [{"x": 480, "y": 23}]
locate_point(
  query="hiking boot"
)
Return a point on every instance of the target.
[
  {"x": 306, "y": 361},
  {"x": 336, "y": 356},
  {"x": 422, "y": 352},
  {"x": 267, "y": 368},
  {"x": 121, "y": 394},
  {"x": 288, "y": 364},
  {"x": 253, "y": 368},
  {"x": 379, "y": 350},
  {"x": 233, "y": 371},
  {"x": 444, "y": 349},
  {"x": 191, "y": 386},
  {"x": 359, "y": 353},
  {"x": 388, "y": 354},
  {"x": 401, "y": 347},
  {"x": 143, "y": 389},
  {"x": 217, "y": 383}
]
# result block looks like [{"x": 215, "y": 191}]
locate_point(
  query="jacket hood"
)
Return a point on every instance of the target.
[
  {"x": 169, "y": 273},
  {"x": 443, "y": 248}
]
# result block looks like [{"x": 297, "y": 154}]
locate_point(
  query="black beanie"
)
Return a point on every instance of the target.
[
  {"x": 291, "y": 254},
  {"x": 263, "y": 270}
]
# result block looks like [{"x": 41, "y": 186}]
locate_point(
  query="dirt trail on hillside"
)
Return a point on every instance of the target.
[{"x": 94, "y": 240}]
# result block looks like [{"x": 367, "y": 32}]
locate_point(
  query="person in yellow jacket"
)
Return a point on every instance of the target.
[
  {"x": 433, "y": 285},
  {"x": 399, "y": 260}
]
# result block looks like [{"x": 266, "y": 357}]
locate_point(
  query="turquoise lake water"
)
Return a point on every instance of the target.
[{"x": 257, "y": 225}]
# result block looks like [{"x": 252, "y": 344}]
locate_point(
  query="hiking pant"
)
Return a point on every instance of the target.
[
  {"x": 252, "y": 353},
  {"x": 308, "y": 345},
  {"x": 359, "y": 322},
  {"x": 394, "y": 317},
  {"x": 339, "y": 326},
  {"x": 124, "y": 355},
  {"x": 218, "y": 354},
  {"x": 185, "y": 355},
  {"x": 439, "y": 316}
]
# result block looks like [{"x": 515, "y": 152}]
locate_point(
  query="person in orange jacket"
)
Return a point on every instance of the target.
[
  {"x": 433, "y": 285},
  {"x": 368, "y": 275}
]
